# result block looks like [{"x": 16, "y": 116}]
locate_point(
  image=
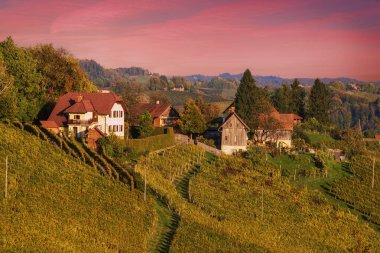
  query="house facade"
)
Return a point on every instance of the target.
[
  {"x": 234, "y": 134},
  {"x": 78, "y": 113},
  {"x": 163, "y": 114},
  {"x": 281, "y": 135}
]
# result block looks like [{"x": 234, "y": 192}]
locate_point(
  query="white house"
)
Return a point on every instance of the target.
[{"x": 78, "y": 113}]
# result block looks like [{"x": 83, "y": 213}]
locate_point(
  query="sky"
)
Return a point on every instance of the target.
[{"x": 288, "y": 38}]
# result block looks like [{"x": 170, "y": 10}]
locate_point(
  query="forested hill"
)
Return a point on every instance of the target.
[
  {"x": 104, "y": 77},
  {"x": 274, "y": 81}
]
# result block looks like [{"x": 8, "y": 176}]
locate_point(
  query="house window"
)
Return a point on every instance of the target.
[
  {"x": 114, "y": 128},
  {"x": 225, "y": 138},
  {"x": 115, "y": 114},
  {"x": 121, "y": 114},
  {"x": 76, "y": 116},
  {"x": 121, "y": 128}
]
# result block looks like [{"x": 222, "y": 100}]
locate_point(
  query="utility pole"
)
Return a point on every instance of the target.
[
  {"x": 373, "y": 172},
  {"x": 262, "y": 202},
  {"x": 6, "y": 176},
  {"x": 145, "y": 181}
]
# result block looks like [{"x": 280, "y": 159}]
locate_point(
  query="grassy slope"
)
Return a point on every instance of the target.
[{"x": 56, "y": 204}]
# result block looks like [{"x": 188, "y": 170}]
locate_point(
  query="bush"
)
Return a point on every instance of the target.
[
  {"x": 258, "y": 155},
  {"x": 112, "y": 146},
  {"x": 208, "y": 142}
]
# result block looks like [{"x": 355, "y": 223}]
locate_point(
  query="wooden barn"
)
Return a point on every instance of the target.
[{"x": 234, "y": 134}]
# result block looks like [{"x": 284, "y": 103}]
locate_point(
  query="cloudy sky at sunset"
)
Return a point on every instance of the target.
[{"x": 289, "y": 38}]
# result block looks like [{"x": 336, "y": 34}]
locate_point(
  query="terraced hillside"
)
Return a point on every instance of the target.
[
  {"x": 228, "y": 205},
  {"x": 58, "y": 203}
]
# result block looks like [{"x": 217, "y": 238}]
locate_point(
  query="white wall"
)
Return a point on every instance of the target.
[
  {"x": 105, "y": 121},
  {"x": 229, "y": 150}
]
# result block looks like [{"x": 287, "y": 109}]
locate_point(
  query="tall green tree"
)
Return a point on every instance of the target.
[
  {"x": 319, "y": 102},
  {"x": 27, "y": 82},
  {"x": 250, "y": 100},
  {"x": 8, "y": 107},
  {"x": 298, "y": 98},
  {"x": 282, "y": 99},
  {"x": 192, "y": 121},
  {"x": 146, "y": 125}
]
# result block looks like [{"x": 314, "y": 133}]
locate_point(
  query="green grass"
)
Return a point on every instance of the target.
[
  {"x": 307, "y": 174},
  {"x": 58, "y": 204},
  {"x": 316, "y": 137}
]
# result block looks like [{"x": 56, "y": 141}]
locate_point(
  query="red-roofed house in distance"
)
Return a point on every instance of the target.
[
  {"x": 78, "y": 113},
  {"x": 163, "y": 114},
  {"x": 283, "y": 135}
]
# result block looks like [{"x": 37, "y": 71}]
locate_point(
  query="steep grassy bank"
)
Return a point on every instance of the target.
[{"x": 58, "y": 204}]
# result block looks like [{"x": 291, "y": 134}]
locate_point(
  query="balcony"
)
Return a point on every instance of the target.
[{"x": 82, "y": 122}]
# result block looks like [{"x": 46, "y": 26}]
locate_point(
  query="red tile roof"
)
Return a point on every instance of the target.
[
  {"x": 49, "y": 124},
  {"x": 100, "y": 102},
  {"x": 286, "y": 120},
  {"x": 155, "y": 110},
  {"x": 81, "y": 107},
  {"x": 377, "y": 136}
]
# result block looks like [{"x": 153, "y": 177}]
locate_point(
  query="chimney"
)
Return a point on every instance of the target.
[
  {"x": 232, "y": 109},
  {"x": 157, "y": 102},
  {"x": 79, "y": 98}
]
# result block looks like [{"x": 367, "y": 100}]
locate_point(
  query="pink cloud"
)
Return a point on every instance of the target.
[{"x": 290, "y": 38}]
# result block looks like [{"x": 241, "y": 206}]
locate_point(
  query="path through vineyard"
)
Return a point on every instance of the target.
[{"x": 169, "y": 220}]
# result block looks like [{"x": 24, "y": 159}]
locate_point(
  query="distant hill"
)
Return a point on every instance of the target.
[
  {"x": 103, "y": 77},
  {"x": 273, "y": 81}
]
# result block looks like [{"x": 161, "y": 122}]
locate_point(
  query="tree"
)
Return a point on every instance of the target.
[
  {"x": 146, "y": 125},
  {"x": 26, "y": 80},
  {"x": 61, "y": 72},
  {"x": 282, "y": 99},
  {"x": 131, "y": 92},
  {"x": 251, "y": 101},
  {"x": 298, "y": 94},
  {"x": 192, "y": 121},
  {"x": 209, "y": 111},
  {"x": 319, "y": 102},
  {"x": 266, "y": 129},
  {"x": 8, "y": 107},
  {"x": 155, "y": 83},
  {"x": 157, "y": 96}
]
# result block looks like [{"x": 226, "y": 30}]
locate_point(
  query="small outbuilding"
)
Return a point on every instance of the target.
[{"x": 234, "y": 134}]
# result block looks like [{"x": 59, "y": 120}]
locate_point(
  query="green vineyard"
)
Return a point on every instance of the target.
[
  {"x": 229, "y": 205},
  {"x": 361, "y": 190}
]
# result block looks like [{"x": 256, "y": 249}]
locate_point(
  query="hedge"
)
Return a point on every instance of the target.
[{"x": 152, "y": 143}]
